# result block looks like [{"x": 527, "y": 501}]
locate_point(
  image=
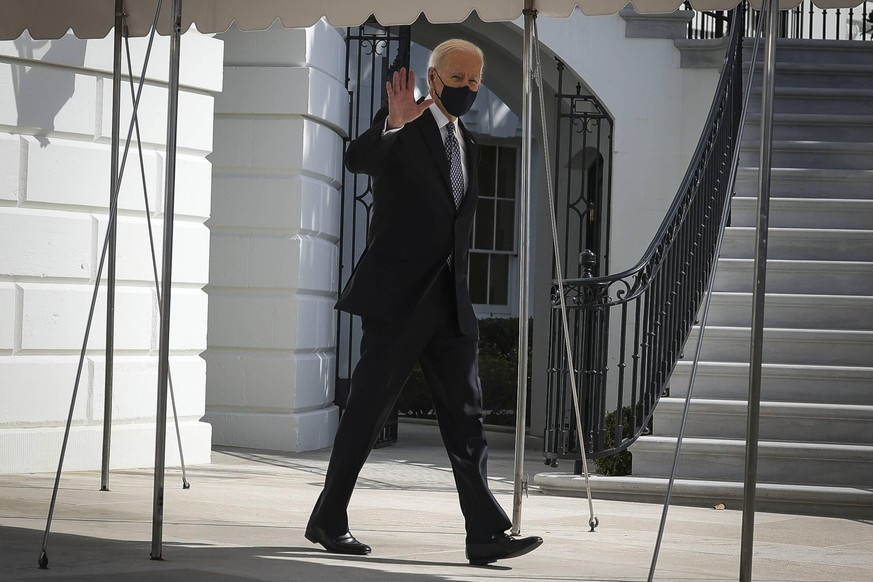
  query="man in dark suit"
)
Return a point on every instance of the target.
[{"x": 410, "y": 289}]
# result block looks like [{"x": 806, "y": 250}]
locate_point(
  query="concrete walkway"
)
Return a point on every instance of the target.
[{"x": 244, "y": 515}]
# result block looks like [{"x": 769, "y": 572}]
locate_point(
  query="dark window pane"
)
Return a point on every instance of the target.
[
  {"x": 499, "y": 288},
  {"x": 478, "y": 278},
  {"x": 504, "y": 235},
  {"x": 484, "y": 225},
  {"x": 487, "y": 170},
  {"x": 506, "y": 173}
]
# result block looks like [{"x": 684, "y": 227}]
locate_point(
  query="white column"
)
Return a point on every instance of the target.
[{"x": 279, "y": 124}]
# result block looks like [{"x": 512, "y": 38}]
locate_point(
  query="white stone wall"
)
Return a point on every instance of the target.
[
  {"x": 279, "y": 126},
  {"x": 55, "y": 128}
]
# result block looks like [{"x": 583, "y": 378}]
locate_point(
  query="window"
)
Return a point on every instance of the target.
[{"x": 493, "y": 253}]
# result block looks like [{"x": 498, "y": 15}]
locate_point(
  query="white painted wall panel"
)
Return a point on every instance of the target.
[
  {"x": 135, "y": 383},
  {"x": 266, "y": 380},
  {"x": 45, "y": 244},
  {"x": 195, "y": 117},
  {"x": 249, "y": 321},
  {"x": 275, "y": 146},
  {"x": 38, "y": 390},
  {"x": 53, "y": 317},
  {"x": 76, "y": 173},
  {"x": 264, "y": 202},
  {"x": 305, "y": 91},
  {"x": 190, "y": 250}
]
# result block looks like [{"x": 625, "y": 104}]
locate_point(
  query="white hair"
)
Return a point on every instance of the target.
[{"x": 453, "y": 44}]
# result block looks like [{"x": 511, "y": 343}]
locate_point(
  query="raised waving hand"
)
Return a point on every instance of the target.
[{"x": 402, "y": 107}]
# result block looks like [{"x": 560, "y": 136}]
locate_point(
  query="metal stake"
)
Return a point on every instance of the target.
[
  {"x": 166, "y": 283},
  {"x": 757, "y": 348},
  {"x": 110, "y": 268},
  {"x": 523, "y": 267}
]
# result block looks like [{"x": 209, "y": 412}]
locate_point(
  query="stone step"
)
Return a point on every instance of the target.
[
  {"x": 808, "y": 182},
  {"x": 733, "y": 309},
  {"x": 849, "y": 502},
  {"x": 812, "y": 154},
  {"x": 837, "y": 52},
  {"x": 854, "y": 214},
  {"x": 808, "y": 244},
  {"x": 778, "y": 462},
  {"x": 790, "y": 276},
  {"x": 779, "y": 421},
  {"x": 779, "y": 382},
  {"x": 828, "y": 127},
  {"x": 816, "y": 101},
  {"x": 816, "y": 75},
  {"x": 786, "y": 346}
]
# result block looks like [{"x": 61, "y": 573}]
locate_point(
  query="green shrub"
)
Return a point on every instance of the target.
[{"x": 620, "y": 463}]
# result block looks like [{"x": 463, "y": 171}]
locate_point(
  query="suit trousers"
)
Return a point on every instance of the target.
[{"x": 449, "y": 361}]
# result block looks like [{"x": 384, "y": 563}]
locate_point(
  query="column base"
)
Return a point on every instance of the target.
[{"x": 293, "y": 432}]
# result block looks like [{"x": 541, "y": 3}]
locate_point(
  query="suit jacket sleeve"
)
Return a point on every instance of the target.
[{"x": 367, "y": 153}]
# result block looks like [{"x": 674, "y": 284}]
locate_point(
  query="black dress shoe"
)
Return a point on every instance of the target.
[
  {"x": 341, "y": 544},
  {"x": 501, "y": 547}
]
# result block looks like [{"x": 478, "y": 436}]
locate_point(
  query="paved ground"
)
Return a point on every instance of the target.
[{"x": 244, "y": 515}]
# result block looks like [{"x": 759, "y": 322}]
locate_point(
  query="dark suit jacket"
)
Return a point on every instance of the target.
[{"x": 413, "y": 223}]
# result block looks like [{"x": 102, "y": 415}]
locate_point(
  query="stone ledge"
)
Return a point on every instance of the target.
[
  {"x": 705, "y": 53},
  {"x": 672, "y": 25}
]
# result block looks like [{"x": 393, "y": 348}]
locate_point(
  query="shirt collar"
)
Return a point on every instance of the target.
[{"x": 440, "y": 117}]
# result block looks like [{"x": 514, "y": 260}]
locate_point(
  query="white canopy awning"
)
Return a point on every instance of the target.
[{"x": 94, "y": 18}]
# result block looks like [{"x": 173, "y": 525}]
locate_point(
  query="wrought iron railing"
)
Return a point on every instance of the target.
[
  {"x": 708, "y": 23},
  {"x": 806, "y": 21},
  {"x": 628, "y": 330}
]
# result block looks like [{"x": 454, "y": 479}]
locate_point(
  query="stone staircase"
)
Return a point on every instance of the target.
[{"x": 816, "y": 424}]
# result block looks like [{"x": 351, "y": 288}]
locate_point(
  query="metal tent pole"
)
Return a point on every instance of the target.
[
  {"x": 523, "y": 267},
  {"x": 110, "y": 270},
  {"x": 166, "y": 283},
  {"x": 148, "y": 217},
  {"x": 757, "y": 348}
]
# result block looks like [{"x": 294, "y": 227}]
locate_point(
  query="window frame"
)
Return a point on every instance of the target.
[{"x": 511, "y": 308}]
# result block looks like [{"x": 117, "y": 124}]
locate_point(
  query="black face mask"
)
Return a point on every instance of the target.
[{"x": 456, "y": 100}]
